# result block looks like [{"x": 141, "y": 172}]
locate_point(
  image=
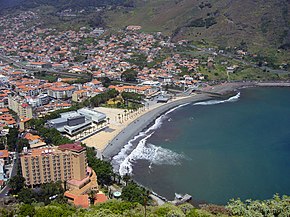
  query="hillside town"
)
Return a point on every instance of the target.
[
  {"x": 80, "y": 98},
  {"x": 60, "y": 77},
  {"x": 67, "y": 94}
]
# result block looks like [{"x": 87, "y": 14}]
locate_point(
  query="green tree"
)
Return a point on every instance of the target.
[
  {"x": 4, "y": 212},
  {"x": 132, "y": 96},
  {"x": 92, "y": 195},
  {"x": 126, "y": 178},
  {"x": 21, "y": 143},
  {"x": 278, "y": 206},
  {"x": 133, "y": 193},
  {"x": 12, "y": 138},
  {"x": 129, "y": 75},
  {"x": 3, "y": 142},
  {"x": 103, "y": 169},
  {"x": 16, "y": 183},
  {"x": 105, "y": 81},
  {"x": 27, "y": 210},
  {"x": 50, "y": 189},
  {"x": 26, "y": 195}
]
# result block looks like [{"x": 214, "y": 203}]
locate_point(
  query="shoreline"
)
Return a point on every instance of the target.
[
  {"x": 142, "y": 122},
  {"x": 221, "y": 90}
]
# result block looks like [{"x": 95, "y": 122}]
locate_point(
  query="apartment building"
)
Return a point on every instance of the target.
[
  {"x": 145, "y": 90},
  {"x": 61, "y": 92},
  {"x": 65, "y": 163},
  {"x": 25, "y": 110},
  {"x": 22, "y": 109},
  {"x": 79, "y": 95}
]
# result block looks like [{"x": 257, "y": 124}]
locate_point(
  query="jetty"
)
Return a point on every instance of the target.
[{"x": 180, "y": 199}]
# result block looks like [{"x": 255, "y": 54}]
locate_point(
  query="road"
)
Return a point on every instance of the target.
[
  {"x": 5, "y": 190},
  {"x": 48, "y": 71}
]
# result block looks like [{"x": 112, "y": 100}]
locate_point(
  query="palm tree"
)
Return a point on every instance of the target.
[
  {"x": 125, "y": 114},
  {"x": 126, "y": 178},
  {"x": 65, "y": 185},
  {"x": 92, "y": 195},
  {"x": 119, "y": 179},
  {"x": 114, "y": 177},
  {"x": 119, "y": 117},
  {"x": 146, "y": 196}
]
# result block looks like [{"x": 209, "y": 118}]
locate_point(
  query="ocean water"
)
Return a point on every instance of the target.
[{"x": 216, "y": 150}]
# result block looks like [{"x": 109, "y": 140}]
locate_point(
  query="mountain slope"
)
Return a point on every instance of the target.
[{"x": 259, "y": 23}]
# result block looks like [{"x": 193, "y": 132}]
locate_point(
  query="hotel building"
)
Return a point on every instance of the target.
[{"x": 65, "y": 162}]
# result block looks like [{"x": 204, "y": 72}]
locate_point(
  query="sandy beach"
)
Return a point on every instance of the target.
[
  {"x": 111, "y": 140},
  {"x": 120, "y": 119}
]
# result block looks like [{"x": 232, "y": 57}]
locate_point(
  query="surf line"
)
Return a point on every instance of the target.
[
  {"x": 214, "y": 102},
  {"x": 122, "y": 162}
]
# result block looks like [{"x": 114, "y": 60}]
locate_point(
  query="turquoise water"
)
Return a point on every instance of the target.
[{"x": 216, "y": 152}]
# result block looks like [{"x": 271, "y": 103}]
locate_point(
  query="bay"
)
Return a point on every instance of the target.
[{"x": 238, "y": 148}]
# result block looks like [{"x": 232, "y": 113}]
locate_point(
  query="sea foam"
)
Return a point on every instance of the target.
[
  {"x": 153, "y": 154},
  {"x": 214, "y": 102},
  {"x": 123, "y": 161}
]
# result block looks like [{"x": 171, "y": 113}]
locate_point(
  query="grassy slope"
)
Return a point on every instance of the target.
[
  {"x": 260, "y": 23},
  {"x": 153, "y": 15}
]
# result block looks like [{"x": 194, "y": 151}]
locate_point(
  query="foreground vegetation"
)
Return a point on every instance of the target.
[{"x": 278, "y": 206}]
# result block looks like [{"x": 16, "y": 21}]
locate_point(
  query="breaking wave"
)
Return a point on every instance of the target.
[
  {"x": 214, "y": 102},
  {"x": 122, "y": 162},
  {"x": 154, "y": 154}
]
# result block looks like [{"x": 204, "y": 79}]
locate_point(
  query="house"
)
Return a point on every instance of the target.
[
  {"x": 145, "y": 90},
  {"x": 34, "y": 141},
  {"x": 39, "y": 65},
  {"x": 133, "y": 28},
  {"x": 4, "y": 155},
  {"x": 79, "y": 96}
]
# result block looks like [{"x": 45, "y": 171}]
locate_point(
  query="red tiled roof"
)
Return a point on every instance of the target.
[
  {"x": 82, "y": 200},
  {"x": 72, "y": 147},
  {"x": 4, "y": 153},
  {"x": 100, "y": 198},
  {"x": 79, "y": 200},
  {"x": 4, "y": 110}
]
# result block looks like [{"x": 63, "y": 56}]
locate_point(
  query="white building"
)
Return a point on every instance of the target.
[
  {"x": 61, "y": 92},
  {"x": 3, "y": 79}
]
